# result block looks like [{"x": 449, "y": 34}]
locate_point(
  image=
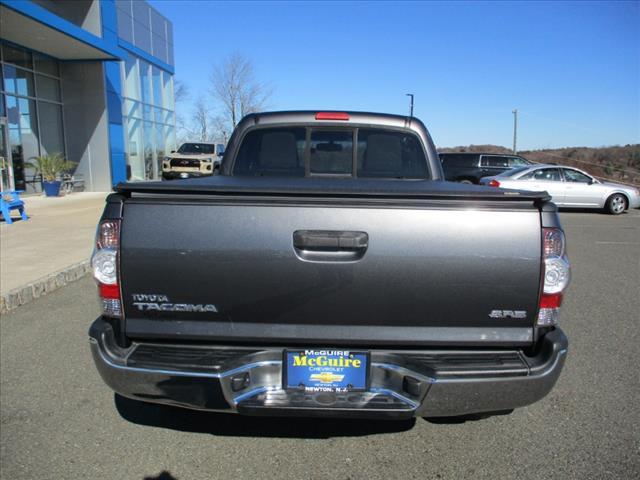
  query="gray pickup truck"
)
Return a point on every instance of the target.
[{"x": 330, "y": 271}]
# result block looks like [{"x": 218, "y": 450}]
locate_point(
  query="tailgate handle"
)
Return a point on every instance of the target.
[{"x": 330, "y": 245}]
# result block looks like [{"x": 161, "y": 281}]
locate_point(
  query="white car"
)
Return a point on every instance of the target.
[{"x": 569, "y": 187}]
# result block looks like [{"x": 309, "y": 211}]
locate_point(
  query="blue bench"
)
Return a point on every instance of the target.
[{"x": 10, "y": 200}]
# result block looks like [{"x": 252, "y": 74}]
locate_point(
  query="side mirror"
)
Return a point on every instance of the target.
[
  {"x": 128, "y": 172},
  {"x": 592, "y": 181},
  {"x": 173, "y": 151}
]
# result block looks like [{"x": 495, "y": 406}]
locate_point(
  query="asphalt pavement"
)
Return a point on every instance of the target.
[{"x": 59, "y": 421}]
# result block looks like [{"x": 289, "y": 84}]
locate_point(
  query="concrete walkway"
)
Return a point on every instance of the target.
[{"x": 49, "y": 249}]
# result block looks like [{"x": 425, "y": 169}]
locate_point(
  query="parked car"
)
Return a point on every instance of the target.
[
  {"x": 329, "y": 271},
  {"x": 192, "y": 160},
  {"x": 569, "y": 187},
  {"x": 471, "y": 167}
]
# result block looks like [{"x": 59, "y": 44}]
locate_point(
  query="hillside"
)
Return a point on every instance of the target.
[{"x": 620, "y": 164}]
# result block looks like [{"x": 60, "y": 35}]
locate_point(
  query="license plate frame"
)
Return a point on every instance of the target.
[{"x": 354, "y": 379}]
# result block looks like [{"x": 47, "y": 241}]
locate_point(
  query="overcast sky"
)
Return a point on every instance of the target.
[{"x": 571, "y": 68}]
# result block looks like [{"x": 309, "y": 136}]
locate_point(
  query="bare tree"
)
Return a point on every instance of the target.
[
  {"x": 202, "y": 129},
  {"x": 235, "y": 87},
  {"x": 181, "y": 94},
  {"x": 180, "y": 90}
]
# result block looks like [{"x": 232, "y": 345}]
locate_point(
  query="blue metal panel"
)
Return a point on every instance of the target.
[
  {"x": 107, "y": 44},
  {"x": 114, "y": 96},
  {"x": 118, "y": 175},
  {"x": 116, "y": 130}
]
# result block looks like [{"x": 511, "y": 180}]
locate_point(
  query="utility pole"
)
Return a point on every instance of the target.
[
  {"x": 411, "y": 108},
  {"x": 515, "y": 130}
]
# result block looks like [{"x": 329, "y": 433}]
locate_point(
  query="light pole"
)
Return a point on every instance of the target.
[
  {"x": 515, "y": 130},
  {"x": 411, "y": 108}
]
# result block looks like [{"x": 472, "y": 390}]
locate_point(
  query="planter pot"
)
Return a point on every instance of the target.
[{"x": 51, "y": 189}]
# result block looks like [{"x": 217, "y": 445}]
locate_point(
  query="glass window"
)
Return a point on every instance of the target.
[
  {"x": 167, "y": 91},
  {"x": 46, "y": 65},
  {"x": 494, "y": 161},
  {"x": 458, "y": 160},
  {"x": 141, "y": 13},
  {"x": 518, "y": 161},
  {"x": 145, "y": 81},
  {"x": 158, "y": 115},
  {"x": 387, "y": 154},
  {"x": 197, "y": 148},
  {"x": 575, "y": 176},
  {"x": 48, "y": 88},
  {"x": 148, "y": 150},
  {"x": 157, "y": 24},
  {"x": 331, "y": 152},
  {"x": 159, "y": 47},
  {"x": 168, "y": 117},
  {"x": 159, "y": 144},
  {"x": 134, "y": 147},
  {"x": 272, "y": 152},
  {"x": 157, "y": 86},
  {"x": 124, "y": 5},
  {"x": 132, "y": 108},
  {"x": 16, "y": 56},
  {"x": 171, "y": 59},
  {"x": 141, "y": 36},
  {"x": 544, "y": 175},
  {"x": 132, "y": 78},
  {"x": 147, "y": 112},
  {"x": 169, "y": 138},
  {"x": 51, "y": 139},
  {"x": 23, "y": 140},
  {"x": 125, "y": 25},
  {"x": 18, "y": 81}
]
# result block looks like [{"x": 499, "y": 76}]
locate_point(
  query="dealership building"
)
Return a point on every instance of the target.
[{"x": 91, "y": 80}]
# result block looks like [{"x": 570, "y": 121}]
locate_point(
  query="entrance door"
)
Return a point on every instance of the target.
[{"x": 6, "y": 171}]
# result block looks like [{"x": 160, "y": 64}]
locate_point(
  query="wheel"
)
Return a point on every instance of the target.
[
  {"x": 466, "y": 182},
  {"x": 616, "y": 204}
]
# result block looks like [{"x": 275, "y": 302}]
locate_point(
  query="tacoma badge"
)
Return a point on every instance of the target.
[{"x": 508, "y": 314}]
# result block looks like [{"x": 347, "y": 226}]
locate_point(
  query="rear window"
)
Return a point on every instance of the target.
[
  {"x": 387, "y": 154},
  {"x": 272, "y": 152},
  {"x": 205, "y": 148},
  {"x": 331, "y": 152},
  {"x": 453, "y": 160},
  {"x": 378, "y": 153},
  {"x": 494, "y": 161}
]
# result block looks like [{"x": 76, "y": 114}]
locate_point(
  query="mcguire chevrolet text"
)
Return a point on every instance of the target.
[{"x": 329, "y": 270}]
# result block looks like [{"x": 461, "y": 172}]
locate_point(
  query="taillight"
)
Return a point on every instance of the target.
[
  {"x": 494, "y": 183},
  {"x": 332, "y": 116},
  {"x": 104, "y": 263},
  {"x": 557, "y": 274}
]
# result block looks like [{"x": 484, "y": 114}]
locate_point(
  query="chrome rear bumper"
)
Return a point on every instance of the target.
[{"x": 427, "y": 383}]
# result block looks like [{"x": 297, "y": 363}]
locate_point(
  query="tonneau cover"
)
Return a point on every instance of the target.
[{"x": 330, "y": 187}]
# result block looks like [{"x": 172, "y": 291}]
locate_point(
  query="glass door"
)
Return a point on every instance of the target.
[{"x": 6, "y": 173}]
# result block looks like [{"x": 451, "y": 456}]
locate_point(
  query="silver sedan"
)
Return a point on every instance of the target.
[{"x": 569, "y": 187}]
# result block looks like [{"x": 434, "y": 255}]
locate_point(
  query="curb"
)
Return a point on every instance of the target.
[{"x": 43, "y": 286}]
